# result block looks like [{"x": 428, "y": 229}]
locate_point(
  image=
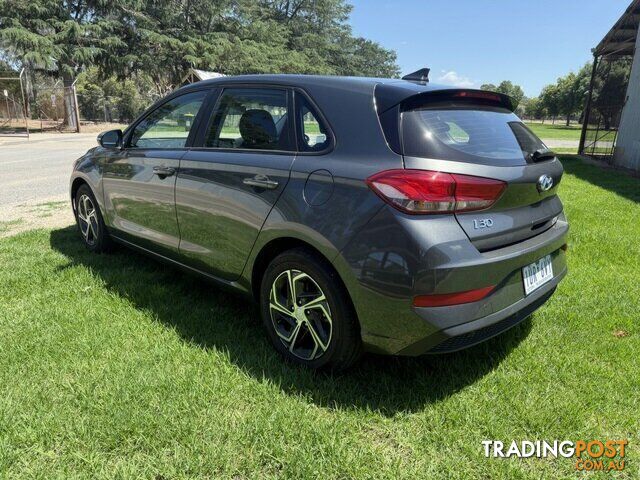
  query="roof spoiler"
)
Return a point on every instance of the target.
[
  {"x": 421, "y": 76},
  {"x": 389, "y": 95}
]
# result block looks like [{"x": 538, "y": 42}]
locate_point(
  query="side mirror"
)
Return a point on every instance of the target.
[{"x": 110, "y": 139}]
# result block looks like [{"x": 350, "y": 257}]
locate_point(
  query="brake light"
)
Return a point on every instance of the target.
[
  {"x": 494, "y": 97},
  {"x": 446, "y": 299},
  {"x": 425, "y": 191}
]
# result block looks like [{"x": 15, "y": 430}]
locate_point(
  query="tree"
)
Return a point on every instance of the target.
[
  {"x": 58, "y": 37},
  {"x": 534, "y": 108},
  {"x": 247, "y": 36},
  {"x": 550, "y": 100},
  {"x": 107, "y": 98},
  {"x": 571, "y": 92},
  {"x": 508, "y": 88},
  {"x": 161, "y": 39}
]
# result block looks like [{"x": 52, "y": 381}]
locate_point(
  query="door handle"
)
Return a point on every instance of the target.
[
  {"x": 261, "y": 181},
  {"x": 164, "y": 171}
]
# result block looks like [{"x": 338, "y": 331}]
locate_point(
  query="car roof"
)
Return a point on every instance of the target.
[
  {"x": 301, "y": 80},
  {"x": 388, "y": 91}
]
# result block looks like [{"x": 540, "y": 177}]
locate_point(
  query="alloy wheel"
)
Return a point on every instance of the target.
[
  {"x": 88, "y": 219},
  {"x": 300, "y": 314}
]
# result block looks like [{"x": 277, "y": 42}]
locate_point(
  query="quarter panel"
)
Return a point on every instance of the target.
[{"x": 331, "y": 225}]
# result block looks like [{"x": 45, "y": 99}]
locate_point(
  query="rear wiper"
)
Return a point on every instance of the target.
[{"x": 542, "y": 154}]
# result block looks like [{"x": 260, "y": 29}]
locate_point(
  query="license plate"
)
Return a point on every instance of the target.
[{"x": 537, "y": 274}]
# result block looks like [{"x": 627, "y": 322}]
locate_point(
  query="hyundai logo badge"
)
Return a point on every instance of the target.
[{"x": 545, "y": 182}]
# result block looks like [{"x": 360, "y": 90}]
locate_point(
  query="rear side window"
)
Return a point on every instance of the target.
[
  {"x": 250, "y": 118},
  {"x": 478, "y": 135},
  {"x": 313, "y": 134}
]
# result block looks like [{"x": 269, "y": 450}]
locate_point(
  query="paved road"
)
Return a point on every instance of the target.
[
  {"x": 38, "y": 170},
  {"x": 34, "y": 180},
  {"x": 552, "y": 143}
]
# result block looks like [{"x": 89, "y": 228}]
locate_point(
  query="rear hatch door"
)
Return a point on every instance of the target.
[{"x": 481, "y": 136}]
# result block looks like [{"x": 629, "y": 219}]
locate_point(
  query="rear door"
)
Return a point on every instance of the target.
[
  {"x": 482, "y": 138},
  {"x": 139, "y": 180},
  {"x": 233, "y": 176}
]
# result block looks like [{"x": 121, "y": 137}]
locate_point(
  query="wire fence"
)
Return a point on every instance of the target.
[
  {"x": 97, "y": 108},
  {"x": 13, "y": 111},
  {"x": 54, "y": 108},
  {"x": 604, "y": 107},
  {"x": 49, "y": 106}
]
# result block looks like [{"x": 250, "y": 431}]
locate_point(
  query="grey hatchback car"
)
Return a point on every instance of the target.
[{"x": 362, "y": 214}]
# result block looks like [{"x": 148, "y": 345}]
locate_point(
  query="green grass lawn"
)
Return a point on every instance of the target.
[
  {"x": 559, "y": 131},
  {"x": 115, "y": 366}
]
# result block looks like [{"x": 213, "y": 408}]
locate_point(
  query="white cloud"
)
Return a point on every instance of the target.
[{"x": 453, "y": 78}]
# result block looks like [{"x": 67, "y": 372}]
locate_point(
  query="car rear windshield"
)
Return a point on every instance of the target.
[{"x": 483, "y": 135}]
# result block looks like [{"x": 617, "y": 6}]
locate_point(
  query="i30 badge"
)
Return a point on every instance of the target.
[{"x": 545, "y": 182}]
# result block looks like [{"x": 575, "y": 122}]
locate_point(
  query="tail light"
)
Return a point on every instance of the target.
[{"x": 425, "y": 191}]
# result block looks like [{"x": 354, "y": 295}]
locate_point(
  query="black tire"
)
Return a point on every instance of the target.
[
  {"x": 94, "y": 233},
  {"x": 330, "y": 325}
]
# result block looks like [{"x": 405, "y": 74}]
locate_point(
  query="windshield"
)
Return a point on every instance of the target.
[{"x": 479, "y": 135}]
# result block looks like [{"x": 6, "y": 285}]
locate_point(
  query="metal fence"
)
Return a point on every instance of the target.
[
  {"x": 54, "y": 108},
  {"x": 98, "y": 108},
  {"x": 13, "y": 107},
  {"x": 603, "y": 111}
]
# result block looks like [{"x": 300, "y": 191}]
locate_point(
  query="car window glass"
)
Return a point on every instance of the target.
[
  {"x": 471, "y": 134},
  {"x": 250, "y": 118},
  {"x": 169, "y": 125},
  {"x": 528, "y": 141},
  {"x": 314, "y": 136}
]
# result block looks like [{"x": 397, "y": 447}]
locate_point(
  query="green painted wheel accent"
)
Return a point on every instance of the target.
[
  {"x": 88, "y": 219},
  {"x": 300, "y": 314}
]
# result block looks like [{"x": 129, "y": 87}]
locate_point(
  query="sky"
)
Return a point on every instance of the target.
[{"x": 471, "y": 42}]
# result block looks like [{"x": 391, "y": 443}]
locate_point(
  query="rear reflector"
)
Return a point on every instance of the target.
[
  {"x": 425, "y": 191},
  {"x": 445, "y": 299}
]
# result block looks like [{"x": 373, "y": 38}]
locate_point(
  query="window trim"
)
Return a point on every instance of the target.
[
  {"x": 319, "y": 116},
  {"x": 200, "y": 139},
  {"x": 126, "y": 142}
]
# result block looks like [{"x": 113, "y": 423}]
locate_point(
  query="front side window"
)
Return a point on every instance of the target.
[
  {"x": 314, "y": 136},
  {"x": 250, "y": 118},
  {"x": 168, "y": 126}
]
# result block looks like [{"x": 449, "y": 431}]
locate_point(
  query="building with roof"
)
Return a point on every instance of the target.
[{"x": 195, "y": 75}]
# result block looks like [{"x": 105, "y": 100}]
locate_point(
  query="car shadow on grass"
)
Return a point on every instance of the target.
[
  {"x": 209, "y": 318},
  {"x": 610, "y": 179}
]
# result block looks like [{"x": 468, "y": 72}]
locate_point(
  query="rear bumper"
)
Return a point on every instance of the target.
[
  {"x": 399, "y": 257},
  {"x": 472, "y": 333},
  {"x": 477, "y": 331}
]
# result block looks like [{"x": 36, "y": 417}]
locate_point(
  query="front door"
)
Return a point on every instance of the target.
[
  {"x": 233, "y": 176},
  {"x": 139, "y": 180}
]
